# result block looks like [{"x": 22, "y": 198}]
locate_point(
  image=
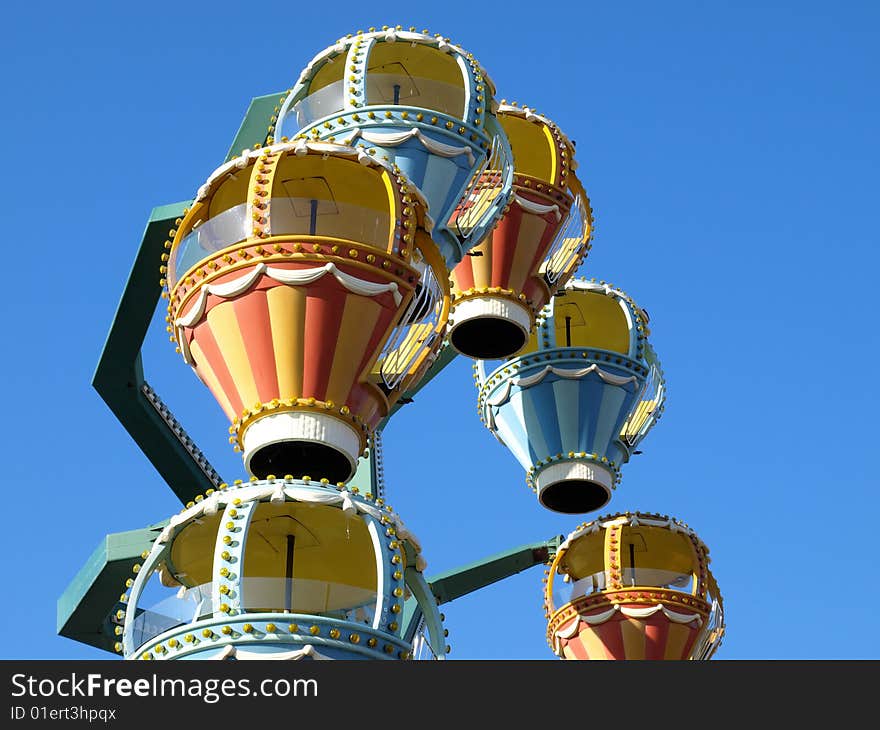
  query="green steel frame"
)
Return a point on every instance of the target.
[
  {"x": 86, "y": 608},
  {"x": 119, "y": 377}
]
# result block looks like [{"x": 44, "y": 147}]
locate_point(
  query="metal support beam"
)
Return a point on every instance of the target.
[
  {"x": 370, "y": 474},
  {"x": 86, "y": 606},
  {"x": 469, "y": 578},
  {"x": 119, "y": 377},
  {"x": 254, "y": 129},
  {"x": 459, "y": 582}
]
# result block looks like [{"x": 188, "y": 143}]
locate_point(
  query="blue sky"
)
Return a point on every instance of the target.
[{"x": 730, "y": 153}]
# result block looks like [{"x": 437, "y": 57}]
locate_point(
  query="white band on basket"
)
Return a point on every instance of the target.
[
  {"x": 298, "y": 426},
  {"x": 568, "y": 471},
  {"x": 494, "y": 308}
]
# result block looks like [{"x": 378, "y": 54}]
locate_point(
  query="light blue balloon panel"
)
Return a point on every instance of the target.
[
  {"x": 574, "y": 404},
  {"x": 424, "y": 106}
]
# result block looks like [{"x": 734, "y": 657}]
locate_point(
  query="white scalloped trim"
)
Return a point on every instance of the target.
[
  {"x": 291, "y": 277},
  {"x": 536, "y": 208},
  {"x": 530, "y": 380},
  {"x": 395, "y": 139},
  {"x": 230, "y": 651},
  {"x": 629, "y": 612}
]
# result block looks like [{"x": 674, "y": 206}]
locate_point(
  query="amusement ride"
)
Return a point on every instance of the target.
[{"x": 380, "y": 218}]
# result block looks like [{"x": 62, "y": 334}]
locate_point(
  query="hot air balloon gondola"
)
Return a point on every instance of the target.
[
  {"x": 502, "y": 283},
  {"x": 633, "y": 586},
  {"x": 280, "y": 569},
  {"x": 293, "y": 283},
  {"x": 575, "y": 403},
  {"x": 416, "y": 101}
]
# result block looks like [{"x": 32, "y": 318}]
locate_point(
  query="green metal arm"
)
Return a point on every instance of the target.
[
  {"x": 254, "y": 129},
  {"x": 456, "y": 583},
  {"x": 461, "y": 581},
  {"x": 86, "y": 607},
  {"x": 119, "y": 377}
]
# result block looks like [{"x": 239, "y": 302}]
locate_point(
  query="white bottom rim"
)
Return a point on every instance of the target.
[
  {"x": 572, "y": 471},
  {"x": 318, "y": 428},
  {"x": 489, "y": 307}
]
